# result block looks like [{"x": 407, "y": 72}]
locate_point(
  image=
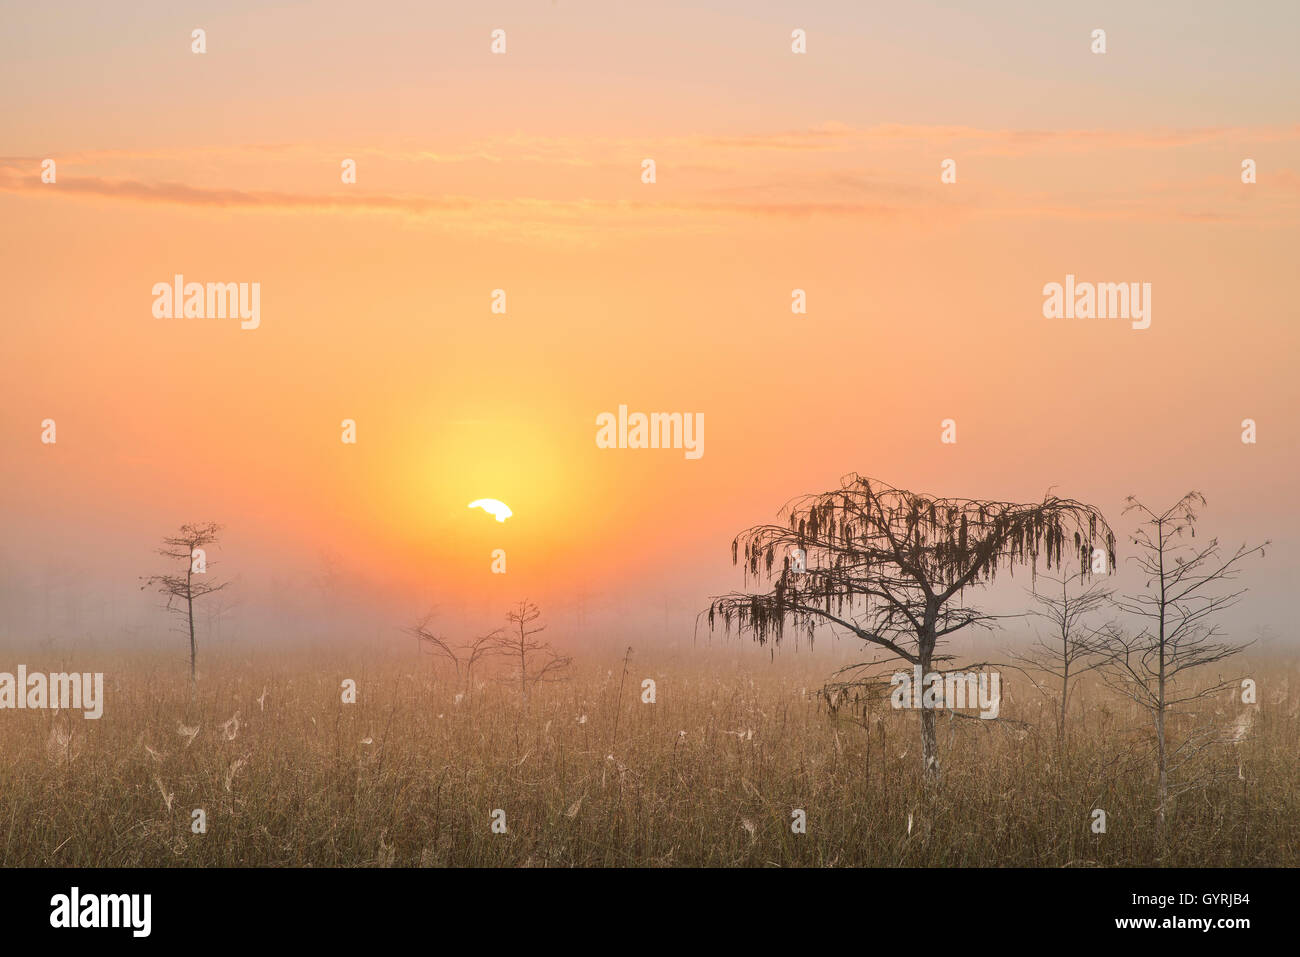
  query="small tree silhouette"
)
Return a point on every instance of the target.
[
  {"x": 432, "y": 643},
  {"x": 1182, "y": 598},
  {"x": 1074, "y": 645},
  {"x": 537, "y": 661},
  {"x": 474, "y": 652},
  {"x": 183, "y": 590},
  {"x": 464, "y": 657}
]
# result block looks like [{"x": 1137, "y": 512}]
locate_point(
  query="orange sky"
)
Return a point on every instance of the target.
[{"x": 522, "y": 172}]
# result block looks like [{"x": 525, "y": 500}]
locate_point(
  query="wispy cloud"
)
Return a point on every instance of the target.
[
  {"x": 180, "y": 194},
  {"x": 1003, "y": 142},
  {"x": 710, "y": 179},
  {"x": 830, "y": 137}
]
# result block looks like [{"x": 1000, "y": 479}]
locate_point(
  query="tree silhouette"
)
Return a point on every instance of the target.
[
  {"x": 1183, "y": 595},
  {"x": 433, "y": 643},
  {"x": 890, "y": 566},
  {"x": 183, "y": 590},
  {"x": 537, "y": 661},
  {"x": 1074, "y": 645},
  {"x": 465, "y": 656}
]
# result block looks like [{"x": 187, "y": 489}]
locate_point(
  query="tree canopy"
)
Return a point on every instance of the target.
[{"x": 885, "y": 562}]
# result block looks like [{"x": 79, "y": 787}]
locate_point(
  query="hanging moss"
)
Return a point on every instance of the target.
[{"x": 853, "y": 537}]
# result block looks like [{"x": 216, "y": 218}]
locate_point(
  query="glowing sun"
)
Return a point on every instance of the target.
[{"x": 500, "y": 510}]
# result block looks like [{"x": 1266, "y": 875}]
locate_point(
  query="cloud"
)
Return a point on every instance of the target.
[
  {"x": 829, "y": 137},
  {"x": 12, "y": 180},
  {"x": 709, "y": 180},
  {"x": 1003, "y": 142}
]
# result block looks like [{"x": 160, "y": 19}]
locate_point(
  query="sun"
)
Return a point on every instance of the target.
[{"x": 500, "y": 510}]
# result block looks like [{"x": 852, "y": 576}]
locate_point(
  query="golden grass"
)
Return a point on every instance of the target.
[{"x": 409, "y": 777}]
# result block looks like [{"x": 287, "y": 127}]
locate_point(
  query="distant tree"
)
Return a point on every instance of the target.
[
  {"x": 1074, "y": 644},
  {"x": 433, "y": 643},
  {"x": 464, "y": 656},
  {"x": 1177, "y": 633},
  {"x": 890, "y": 566},
  {"x": 190, "y": 546},
  {"x": 536, "y": 660},
  {"x": 474, "y": 652}
]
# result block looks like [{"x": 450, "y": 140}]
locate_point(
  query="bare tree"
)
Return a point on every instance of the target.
[
  {"x": 190, "y": 546},
  {"x": 890, "y": 567},
  {"x": 464, "y": 656},
  {"x": 432, "y": 643},
  {"x": 1177, "y": 636},
  {"x": 537, "y": 661},
  {"x": 1075, "y": 645},
  {"x": 474, "y": 652}
]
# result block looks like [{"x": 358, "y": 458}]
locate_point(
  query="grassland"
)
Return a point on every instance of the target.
[{"x": 589, "y": 775}]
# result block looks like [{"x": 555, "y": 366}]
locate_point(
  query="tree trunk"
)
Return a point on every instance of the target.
[
  {"x": 523, "y": 672},
  {"x": 1164, "y": 776},
  {"x": 1060, "y": 727},
  {"x": 1160, "y": 705},
  {"x": 929, "y": 739},
  {"x": 929, "y": 746},
  {"x": 1065, "y": 689},
  {"x": 189, "y": 601}
]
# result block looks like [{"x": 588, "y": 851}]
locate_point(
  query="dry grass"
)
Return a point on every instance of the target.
[{"x": 408, "y": 776}]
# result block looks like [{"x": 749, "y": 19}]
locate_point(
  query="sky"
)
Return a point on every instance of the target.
[{"x": 523, "y": 172}]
